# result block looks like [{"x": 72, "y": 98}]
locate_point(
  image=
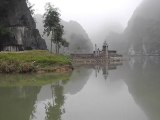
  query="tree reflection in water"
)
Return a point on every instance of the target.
[
  {"x": 55, "y": 110},
  {"x": 17, "y": 103}
]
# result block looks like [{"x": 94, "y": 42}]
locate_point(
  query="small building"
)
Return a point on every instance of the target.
[{"x": 98, "y": 55}]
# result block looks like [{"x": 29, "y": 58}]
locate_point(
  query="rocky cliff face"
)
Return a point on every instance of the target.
[
  {"x": 16, "y": 20},
  {"x": 142, "y": 34},
  {"x": 73, "y": 33}
]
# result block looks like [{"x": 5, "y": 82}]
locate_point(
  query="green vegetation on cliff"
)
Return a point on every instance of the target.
[{"x": 31, "y": 61}]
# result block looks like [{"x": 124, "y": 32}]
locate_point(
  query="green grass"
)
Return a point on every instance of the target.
[{"x": 29, "y": 61}]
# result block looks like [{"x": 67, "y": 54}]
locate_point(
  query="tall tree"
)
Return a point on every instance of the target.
[
  {"x": 58, "y": 37},
  {"x": 65, "y": 44},
  {"x": 52, "y": 25}
]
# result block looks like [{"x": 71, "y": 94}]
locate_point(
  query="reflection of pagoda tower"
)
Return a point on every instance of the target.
[
  {"x": 96, "y": 52},
  {"x": 105, "y": 50},
  {"x": 105, "y": 71}
]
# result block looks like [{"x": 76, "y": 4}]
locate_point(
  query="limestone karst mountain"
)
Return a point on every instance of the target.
[
  {"x": 142, "y": 33},
  {"x": 17, "y": 27},
  {"x": 141, "y": 36}
]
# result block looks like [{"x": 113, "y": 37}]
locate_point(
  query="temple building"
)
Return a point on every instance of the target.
[{"x": 101, "y": 56}]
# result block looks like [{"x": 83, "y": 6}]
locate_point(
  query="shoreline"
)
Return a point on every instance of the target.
[{"x": 58, "y": 69}]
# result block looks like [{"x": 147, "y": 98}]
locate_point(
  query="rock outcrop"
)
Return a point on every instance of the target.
[
  {"x": 18, "y": 28},
  {"x": 142, "y": 33}
]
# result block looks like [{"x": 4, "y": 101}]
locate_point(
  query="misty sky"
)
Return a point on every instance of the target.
[{"x": 94, "y": 15}]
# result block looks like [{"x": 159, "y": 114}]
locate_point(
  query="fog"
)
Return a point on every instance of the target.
[{"x": 97, "y": 17}]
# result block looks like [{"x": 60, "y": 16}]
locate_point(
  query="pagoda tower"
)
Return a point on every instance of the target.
[{"x": 105, "y": 50}]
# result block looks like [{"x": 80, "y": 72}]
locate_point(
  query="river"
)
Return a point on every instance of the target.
[{"x": 128, "y": 91}]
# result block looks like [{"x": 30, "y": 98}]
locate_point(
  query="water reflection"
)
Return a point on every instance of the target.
[
  {"x": 102, "y": 98},
  {"x": 111, "y": 91},
  {"x": 106, "y": 67},
  {"x": 55, "y": 110},
  {"x": 17, "y": 103},
  {"x": 51, "y": 98},
  {"x": 78, "y": 80},
  {"x": 143, "y": 81},
  {"x": 19, "y": 93},
  {"x": 55, "y": 106}
]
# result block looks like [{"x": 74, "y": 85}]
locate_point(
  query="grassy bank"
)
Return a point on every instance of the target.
[{"x": 31, "y": 61}]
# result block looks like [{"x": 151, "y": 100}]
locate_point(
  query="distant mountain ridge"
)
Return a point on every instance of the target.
[
  {"x": 143, "y": 31},
  {"x": 142, "y": 35},
  {"x": 73, "y": 33}
]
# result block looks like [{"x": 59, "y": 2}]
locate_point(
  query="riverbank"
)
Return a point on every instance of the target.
[{"x": 33, "y": 61}]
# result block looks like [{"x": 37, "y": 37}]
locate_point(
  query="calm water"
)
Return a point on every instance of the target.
[{"x": 116, "y": 92}]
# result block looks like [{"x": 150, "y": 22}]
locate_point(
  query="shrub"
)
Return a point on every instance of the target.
[
  {"x": 8, "y": 66},
  {"x": 26, "y": 67}
]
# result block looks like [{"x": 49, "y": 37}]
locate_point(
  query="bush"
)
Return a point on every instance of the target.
[
  {"x": 26, "y": 67},
  {"x": 16, "y": 67},
  {"x": 8, "y": 66}
]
